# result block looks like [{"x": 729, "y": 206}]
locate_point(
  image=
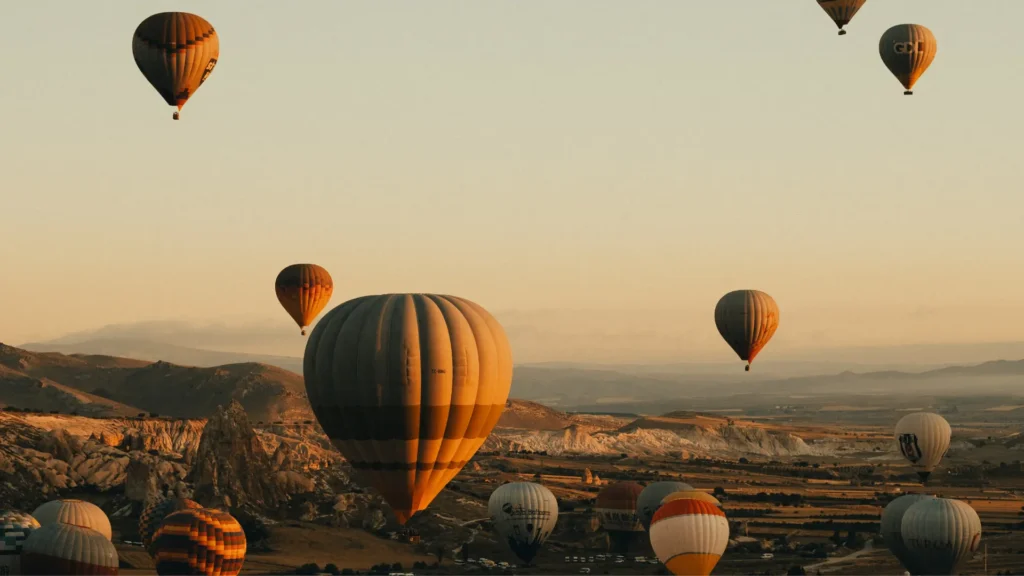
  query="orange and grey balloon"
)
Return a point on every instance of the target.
[
  {"x": 747, "y": 320},
  {"x": 689, "y": 536},
  {"x": 176, "y": 52},
  {"x": 304, "y": 290},
  {"x": 199, "y": 541},
  {"x": 841, "y": 11},
  {"x": 155, "y": 512},
  {"x": 907, "y": 51},
  {"x": 408, "y": 387}
]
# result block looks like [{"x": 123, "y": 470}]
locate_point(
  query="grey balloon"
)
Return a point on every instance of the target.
[
  {"x": 892, "y": 529},
  {"x": 650, "y": 499},
  {"x": 524, "y": 514}
]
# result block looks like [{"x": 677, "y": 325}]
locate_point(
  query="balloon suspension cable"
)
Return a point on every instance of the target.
[
  {"x": 842, "y": 32},
  {"x": 177, "y": 115},
  {"x": 908, "y": 93}
]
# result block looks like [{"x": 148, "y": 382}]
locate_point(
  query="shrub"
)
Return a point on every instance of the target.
[
  {"x": 331, "y": 568},
  {"x": 308, "y": 569}
]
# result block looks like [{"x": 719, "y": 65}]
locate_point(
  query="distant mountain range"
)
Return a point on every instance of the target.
[{"x": 647, "y": 389}]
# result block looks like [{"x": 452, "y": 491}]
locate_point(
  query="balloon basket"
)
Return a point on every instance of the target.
[
  {"x": 177, "y": 116},
  {"x": 842, "y": 32},
  {"x": 908, "y": 93}
]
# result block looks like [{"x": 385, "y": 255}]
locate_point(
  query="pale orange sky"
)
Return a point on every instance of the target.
[{"x": 635, "y": 160}]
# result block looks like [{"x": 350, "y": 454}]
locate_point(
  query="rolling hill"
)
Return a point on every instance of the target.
[{"x": 107, "y": 386}]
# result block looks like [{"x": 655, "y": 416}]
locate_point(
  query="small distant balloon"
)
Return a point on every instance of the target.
[
  {"x": 923, "y": 439},
  {"x": 176, "y": 52},
  {"x": 303, "y": 290},
  {"x": 747, "y": 320},
  {"x": 907, "y": 51},
  {"x": 524, "y": 514},
  {"x": 841, "y": 11}
]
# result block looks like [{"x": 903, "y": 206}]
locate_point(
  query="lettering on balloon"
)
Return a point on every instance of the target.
[
  {"x": 909, "y": 448},
  {"x": 907, "y": 47},
  {"x": 209, "y": 69}
]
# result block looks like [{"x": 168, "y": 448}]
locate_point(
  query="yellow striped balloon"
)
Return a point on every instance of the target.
[
  {"x": 408, "y": 387},
  {"x": 176, "y": 52},
  {"x": 153, "y": 515},
  {"x": 689, "y": 536},
  {"x": 907, "y": 51},
  {"x": 747, "y": 320},
  {"x": 303, "y": 290},
  {"x": 841, "y": 11},
  {"x": 199, "y": 541}
]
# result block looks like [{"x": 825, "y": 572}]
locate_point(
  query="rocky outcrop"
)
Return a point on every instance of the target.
[{"x": 231, "y": 467}]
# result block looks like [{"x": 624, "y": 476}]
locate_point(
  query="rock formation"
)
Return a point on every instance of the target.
[{"x": 231, "y": 466}]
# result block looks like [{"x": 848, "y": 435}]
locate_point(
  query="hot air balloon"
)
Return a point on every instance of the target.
[
  {"x": 199, "y": 541},
  {"x": 524, "y": 514},
  {"x": 940, "y": 534},
  {"x": 923, "y": 439},
  {"x": 155, "y": 512},
  {"x": 176, "y": 52},
  {"x": 68, "y": 549},
  {"x": 747, "y": 319},
  {"x": 841, "y": 11},
  {"x": 616, "y": 506},
  {"x": 692, "y": 495},
  {"x": 304, "y": 290},
  {"x": 907, "y": 51},
  {"x": 651, "y": 497},
  {"x": 408, "y": 387},
  {"x": 892, "y": 529},
  {"x": 77, "y": 512},
  {"x": 689, "y": 536},
  {"x": 15, "y": 527}
]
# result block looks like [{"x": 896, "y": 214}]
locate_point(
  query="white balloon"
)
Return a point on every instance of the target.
[
  {"x": 940, "y": 534},
  {"x": 923, "y": 438},
  {"x": 524, "y": 514}
]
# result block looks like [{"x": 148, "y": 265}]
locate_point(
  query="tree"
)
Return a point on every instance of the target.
[
  {"x": 796, "y": 571},
  {"x": 331, "y": 568},
  {"x": 308, "y": 569}
]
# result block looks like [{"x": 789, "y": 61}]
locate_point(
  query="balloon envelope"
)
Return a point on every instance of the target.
[
  {"x": 15, "y": 527},
  {"x": 68, "y": 549},
  {"x": 692, "y": 495},
  {"x": 199, "y": 541},
  {"x": 892, "y": 529},
  {"x": 176, "y": 52},
  {"x": 153, "y": 515},
  {"x": 617, "y": 507},
  {"x": 524, "y": 514},
  {"x": 907, "y": 51},
  {"x": 651, "y": 497},
  {"x": 303, "y": 290},
  {"x": 940, "y": 534},
  {"x": 77, "y": 512},
  {"x": 689, "y": 536},
  {"x": 408, "y": 387},
  {"x": 841, "y": 11},
  {"x": 923, "y": 438},
  {"x": 747, "y": 320}
]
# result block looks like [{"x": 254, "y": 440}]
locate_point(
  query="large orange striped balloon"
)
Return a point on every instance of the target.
[
  {"x": 689, "y": 536},
  {"x": 408, "y": 387},
  {"x": 841, "y": 11},
  {"x": 153, "y": 515},
  {"x": 304, "y": 290},
  {"x": 176, "y": 52},
  {"x": 747, "y": 319},
  {"x": 907, "y": 50},
  {"x": 199, "y": 541}
]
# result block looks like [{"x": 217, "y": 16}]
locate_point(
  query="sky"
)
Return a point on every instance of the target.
[{"x": 589, "y": 171}]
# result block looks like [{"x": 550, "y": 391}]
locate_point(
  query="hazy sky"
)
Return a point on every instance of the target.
[{"x": 623, "y": 163}]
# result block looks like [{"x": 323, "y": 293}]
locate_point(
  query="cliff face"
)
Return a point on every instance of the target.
[{"x": 231, "y": 465}]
